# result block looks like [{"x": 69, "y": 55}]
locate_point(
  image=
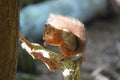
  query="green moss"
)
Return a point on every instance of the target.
[{"x": 28, "y": 77}]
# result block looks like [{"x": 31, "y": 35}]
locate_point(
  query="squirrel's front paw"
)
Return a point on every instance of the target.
[{"x": 46, "y": 43}]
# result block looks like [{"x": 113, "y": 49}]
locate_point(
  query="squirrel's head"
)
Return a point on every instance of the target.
[{"x": 50, "y": 35}]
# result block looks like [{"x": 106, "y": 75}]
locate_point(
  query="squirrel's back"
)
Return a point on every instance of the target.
[{"x": 72, "y": 43}]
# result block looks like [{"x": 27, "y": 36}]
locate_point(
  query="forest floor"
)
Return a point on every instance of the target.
[{"x": 103, "y": 51}]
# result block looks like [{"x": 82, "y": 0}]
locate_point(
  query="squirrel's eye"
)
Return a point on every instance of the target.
[{"x": 47, "y": 32}]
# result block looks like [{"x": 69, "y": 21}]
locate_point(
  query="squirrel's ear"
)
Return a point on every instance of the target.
[{"x": 46, "y": 25}]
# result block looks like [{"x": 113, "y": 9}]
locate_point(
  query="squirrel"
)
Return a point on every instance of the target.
[
  {"x": 68, "y": 43},
  {"x": 68, "y": 34}
]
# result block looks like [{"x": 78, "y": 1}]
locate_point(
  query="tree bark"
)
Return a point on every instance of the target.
[{"x": 8, "y": 38}]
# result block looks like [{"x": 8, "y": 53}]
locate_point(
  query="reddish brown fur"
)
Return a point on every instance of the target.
[{"x": 68, "y": 43}]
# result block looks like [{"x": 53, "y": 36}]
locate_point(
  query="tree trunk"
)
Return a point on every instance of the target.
[{"x": 8, "y": 38}]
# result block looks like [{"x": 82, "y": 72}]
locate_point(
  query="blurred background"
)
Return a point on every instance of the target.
[{"x": 102, "y": 21}]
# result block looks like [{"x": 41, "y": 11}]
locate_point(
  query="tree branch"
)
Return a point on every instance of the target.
[{"x": 70, "y": 69}]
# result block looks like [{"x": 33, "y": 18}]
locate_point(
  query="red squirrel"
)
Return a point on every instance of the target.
[{"x": 67, "y": 41}]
